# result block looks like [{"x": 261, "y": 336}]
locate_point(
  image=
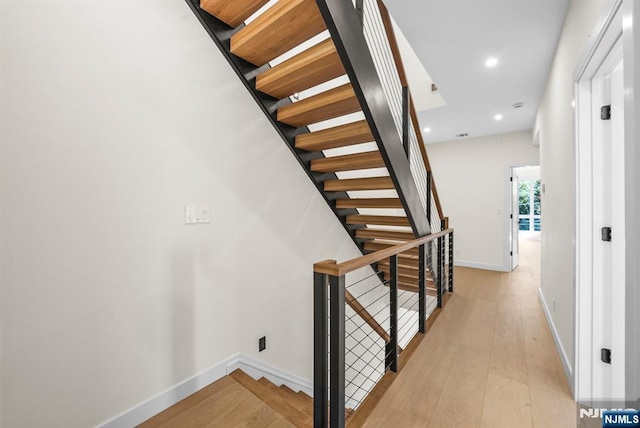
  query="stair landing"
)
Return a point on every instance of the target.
[{"x": 238, "y": 400}]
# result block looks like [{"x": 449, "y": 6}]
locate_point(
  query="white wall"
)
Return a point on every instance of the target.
[
  {"x": 555, "y": 122},
  {"x": 115, "y": 114},
  {"x": 472, "y": 179}
]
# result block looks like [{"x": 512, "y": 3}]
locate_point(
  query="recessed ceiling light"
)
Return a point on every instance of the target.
[
  {"x": 491, "y": 62},
  {"x": 427, "y": 130},
  {"x": 498, "y": 117}
]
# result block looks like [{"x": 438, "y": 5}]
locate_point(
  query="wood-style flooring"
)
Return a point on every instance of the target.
[
  {"x": 488, "y": 361},
  {"x": 224, "y": 403}
]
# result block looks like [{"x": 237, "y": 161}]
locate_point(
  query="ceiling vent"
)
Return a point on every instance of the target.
[
  {"x": 518, "y": 105},
  {"x": 462, "y": 135}
]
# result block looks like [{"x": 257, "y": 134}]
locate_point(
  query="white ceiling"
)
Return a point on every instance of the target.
[{"x": 453, "y": 39}]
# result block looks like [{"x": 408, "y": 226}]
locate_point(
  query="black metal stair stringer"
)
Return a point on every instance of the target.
[{"x": 344, "y": 25}]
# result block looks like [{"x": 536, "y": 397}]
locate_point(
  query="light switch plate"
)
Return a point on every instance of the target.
[{"x": 196, "y": 214}]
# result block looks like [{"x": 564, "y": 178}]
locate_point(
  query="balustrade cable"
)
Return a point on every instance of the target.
[{"x": 364, "y": 340}]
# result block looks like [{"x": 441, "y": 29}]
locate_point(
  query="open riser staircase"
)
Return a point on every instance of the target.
[{"x": 308, "y": 65}]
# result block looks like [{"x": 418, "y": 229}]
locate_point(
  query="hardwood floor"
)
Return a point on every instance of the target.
[
  {"x": 488, "y": 361},
  {"x": 224, "y": 403}
]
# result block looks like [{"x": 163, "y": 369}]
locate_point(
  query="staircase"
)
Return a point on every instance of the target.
[
  {"x": 339, "y": 153},
  {"x": 307, "y": 63},
  {"x": 239, "y": 400}
]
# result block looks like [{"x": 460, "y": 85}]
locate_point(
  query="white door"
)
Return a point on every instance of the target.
[
  {"x": 608, "y": 192},
  {"x": 515, "y": 251}
]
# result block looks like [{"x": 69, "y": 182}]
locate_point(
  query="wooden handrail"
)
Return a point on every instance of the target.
[
  {"x": 331, "y": 267},
  {"x": 393, "y": 42},
  {"x": 395, "y": 49},
  {"x": 366, "y": 316}
]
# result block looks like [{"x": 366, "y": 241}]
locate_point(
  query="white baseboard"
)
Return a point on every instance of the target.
[
  {"x": 475, "y": 265},
  {"x": 254, "y": 368},
  {"x": 257, "y": 369},
  {"x": 568, "y": 369}
]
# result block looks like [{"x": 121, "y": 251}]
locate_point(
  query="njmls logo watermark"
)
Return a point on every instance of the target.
[{"x": 608, "y": 415}]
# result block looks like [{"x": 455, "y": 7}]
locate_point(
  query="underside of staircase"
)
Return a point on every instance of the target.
[{"x": 284, "y": 52}]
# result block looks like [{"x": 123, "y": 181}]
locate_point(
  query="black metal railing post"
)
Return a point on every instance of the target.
[
  {"x": 405, "y": 121},
  {"x": 391, "y": 360},
  {"x": 321, "y": 351},
  {"x": 360, "y": 10},
  {"x": 451, "y": 262},
  {"x": 440, "y": 272},
  {"x": 422, "y": 284},
  {"x": 336, "y": 351},
  {"x": 429, "y": 197}
]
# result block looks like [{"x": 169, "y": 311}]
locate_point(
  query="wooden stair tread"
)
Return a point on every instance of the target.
[
  {"x": 276, "y": 401},
  {"x": 413, "y": 288},
  {"x": 304, "y": 404},
  {"x": 369, "y": 203},
  {"x": 305, "y": 397},
  {"x": 409, "y": 279},
  {"x": 378, "y": 245},
  {"x": 406, "y": 272},
  {"x": 287, "y": 395},
  {"x": 233, "y": 12},
  {"x": 410, "y": 264},
  {"x": 338, "y": 136},
  {"x": 326, "y": 105},
  {"x": 354, "y": 184},
  {"x": 356, "y": 161},
  {"x": 377, "y": 219},
  {"x": 312, "y": 67},
  {"x": 385, "y": 234},
  {"x": 225, "y": 402},
  {"x": 282, "y": 27}
]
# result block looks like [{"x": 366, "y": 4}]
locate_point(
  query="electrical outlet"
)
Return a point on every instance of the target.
[{"x": 262, "y": 343}]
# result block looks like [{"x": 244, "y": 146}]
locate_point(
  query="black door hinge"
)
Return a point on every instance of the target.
[
  {"x": 511, "y": 253},
  {"x": 510, "y": 178},
  {"x": 606, "y": 234},
  {"x": 605, "y": 112},
  {"x": 510, "y": 215},
  {"x": 605, "y": 355}
]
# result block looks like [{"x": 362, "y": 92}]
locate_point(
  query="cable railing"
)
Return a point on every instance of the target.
[
  {"x": 366, "y": 311},
  {"x": 381, "y": 40}
]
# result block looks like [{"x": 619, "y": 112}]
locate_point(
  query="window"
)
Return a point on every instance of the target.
[{"x": 529, "y": 205}]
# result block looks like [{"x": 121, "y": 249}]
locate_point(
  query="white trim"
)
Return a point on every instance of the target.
[
  {"x": 600, "y": 30},
  {"x": 257, "y": 369},
  {"x": 254, "y": 368},
  {"x": 597, "y": 59},
  {"x": 507, "y": 226},
  {"x": 474, "y": 265},
  {"x": 566, "y": 364}
]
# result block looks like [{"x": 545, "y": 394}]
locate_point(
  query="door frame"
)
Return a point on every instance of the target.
[
  {"x": 618, "y": 25},
  {"x": 507, "y": 262}
]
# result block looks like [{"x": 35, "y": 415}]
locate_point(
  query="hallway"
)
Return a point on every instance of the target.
[{"x": 488, "y": 361}]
